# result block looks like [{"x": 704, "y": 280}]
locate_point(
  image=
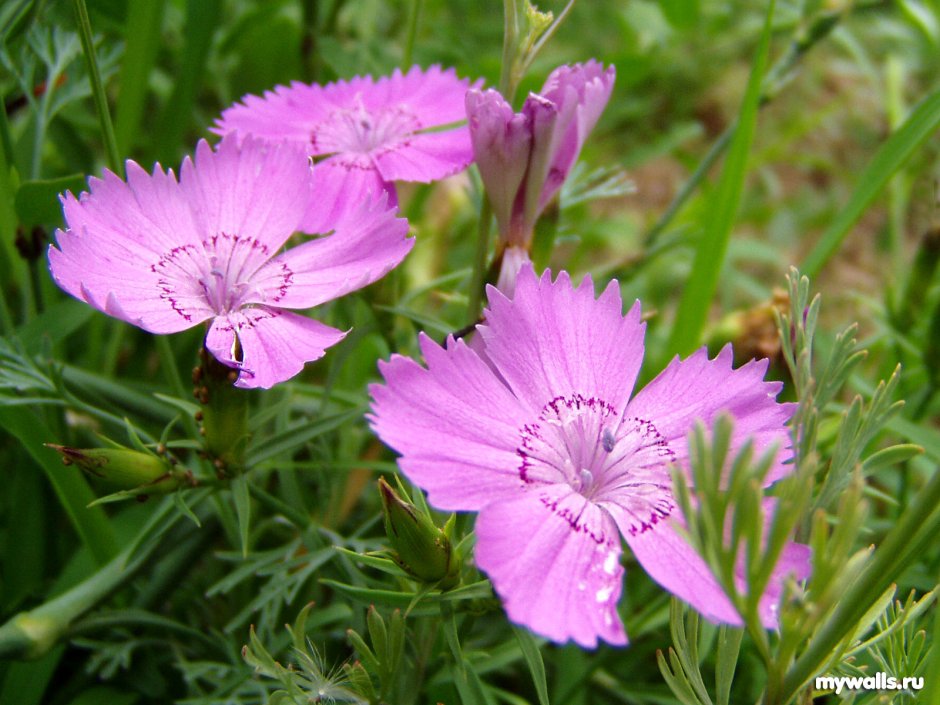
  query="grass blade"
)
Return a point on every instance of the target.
[
  {"x": 70, "y": 486},
  {"x": 923, "y": 121},
  {"x": 142, "y": 40},
  {"x": 710, "y": 250}
]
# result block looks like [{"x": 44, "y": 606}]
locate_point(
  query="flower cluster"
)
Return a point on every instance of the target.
[{"x": 535, "y": 428}]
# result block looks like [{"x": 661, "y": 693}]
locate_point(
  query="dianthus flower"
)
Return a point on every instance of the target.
[
  {"x": 166, "y": 255},
  {"x": 371, "y": 132},
  {"x": 525, "y": 157},
  {"x": 540, "y": 436}
]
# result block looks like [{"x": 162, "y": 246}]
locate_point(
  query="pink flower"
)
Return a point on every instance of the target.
[
  {"x": 167, "y": 255},
  {"x": 372, "y": 132},
  {"x": 540, "y": 436},
  {"x": 525, "y": 157}
]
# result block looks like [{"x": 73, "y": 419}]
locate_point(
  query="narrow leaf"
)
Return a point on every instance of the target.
[{"x": 710, "y": 250}]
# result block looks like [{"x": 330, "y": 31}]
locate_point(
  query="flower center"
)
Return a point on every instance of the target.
[
  {"x": 605, "y": 457},
  {"x": 218, "y": 275},
  {"x": 361, "y": 131}
]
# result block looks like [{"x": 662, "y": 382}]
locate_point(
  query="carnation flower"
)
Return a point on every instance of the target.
[
  {"x": 525, "y": 157},
  {"x": 539, "y": 434},
  {"x": 166, "y": 255},
  {"x": 372, "y": 132}
]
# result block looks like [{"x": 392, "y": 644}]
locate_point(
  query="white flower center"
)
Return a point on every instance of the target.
[
  {"x": 605, "y": 457},
  {"x": 218, "y": 275},
  {"x": 360, "y": 131}
]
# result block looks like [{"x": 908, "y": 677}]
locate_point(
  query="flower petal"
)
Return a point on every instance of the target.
[
  {"x": 366, "y": 243},
  {"x": 672, "y": 562},
  {"x": 501, "y": 143},
  {"x": 340, "y": 187},
  {"x": 455, "y": 424},
  {"x": 553, "y": 558},
  {"x": 581, "y": 93},
  {"x": 274, "y": 344},
  {"x": 118, "y": 235},
  {"x": 426, "y": 157},
  {"x": 251, "y": 189},
  {"x": 555, "y": 340},
  {"x": 699, "y": 389}
]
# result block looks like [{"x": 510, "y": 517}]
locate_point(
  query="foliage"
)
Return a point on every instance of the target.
[{"x": 830, "y": 164}]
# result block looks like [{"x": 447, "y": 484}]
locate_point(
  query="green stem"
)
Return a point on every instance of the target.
[
  {"x": 475, "y": 303},
  {"x": 414, "y": 12},
  {"x": 776, "y": 76},
  {"x": 689, "y": 187},
  {"x": 510, "y": 37},
  {"x": 97, "y": 89},
  {"x": 911, "y": 535},
  {"x": 172, "y": 372},
  {"x": 31, "y": 634},
  {"x": 309, "y": 50}
]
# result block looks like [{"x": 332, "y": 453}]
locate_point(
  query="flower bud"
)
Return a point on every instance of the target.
[
  {"x": 125, "y": 469},
  {"x": 422, "y": 549}
]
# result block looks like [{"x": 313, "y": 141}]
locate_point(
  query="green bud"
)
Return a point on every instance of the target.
[
  {"x": 422, "y": 548},
  {"x": 125, "y": 469}
]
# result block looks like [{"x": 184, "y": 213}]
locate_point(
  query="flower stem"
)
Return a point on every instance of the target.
[
  {"x": 31, "y": 634},
  {"x": 309, "y": 49},
  {"x": 475, "y": 303},
  {"x": 912, "y": 534},
  {"x": 414, "y": 12},
  {"x": 97, "y": 89}
]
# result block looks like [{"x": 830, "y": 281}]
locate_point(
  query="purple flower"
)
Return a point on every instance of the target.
[
  {"x": 372, "y": 131},
  {"x": 540, "y": 436},
  {"x": 525, "y": 157},
  {"x": 167, "y": 255}
]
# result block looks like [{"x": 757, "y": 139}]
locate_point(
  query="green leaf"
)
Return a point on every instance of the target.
[
  {"x": 729, "y": 645},
  {"x": 710, "y": 251},
  {"x": 923, "y": 121},
  {"x": 37, "y": 202},
  {"x": 70, "y": 486},
  {"x": 533, "y": 659},
  {"x": 242, "y": 496},
  {"x": 299, "y": 434},
  {"x": 142, "y": 40}
]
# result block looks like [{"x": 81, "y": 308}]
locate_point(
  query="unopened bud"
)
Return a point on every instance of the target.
[
  {"x": 124, "y": 469},
  {"x": 422, "y": 548}
]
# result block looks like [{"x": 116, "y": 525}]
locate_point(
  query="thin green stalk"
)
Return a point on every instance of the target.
[
  {"x": 309, "y": 49},
  {"x": 691, "y": 185},
  {"x": 510, "y": 37},
  {"x": 33, "y": 633},
  {"x": 711, "y": 248},
  {"x": 97, "y": 89},
  {"x": 910, "y": 536},
  {"x": 172, "y": 372},
  {"x": 776, "y": 77},
  {"x": 142, "y": 39},
  {"x": 71, "y": 488},
  {"x": 414, "y": 12},
  {"x": 475, "y": 304}
]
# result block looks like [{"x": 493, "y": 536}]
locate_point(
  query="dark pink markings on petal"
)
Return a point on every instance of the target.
[
  {"x": 219, "y": 275},
  {"x": 621, "y": 463},
  {"x": 573, "y": 519}
]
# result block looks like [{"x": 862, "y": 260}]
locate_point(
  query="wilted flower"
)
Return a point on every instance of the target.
[
  {"x": 372, "y": 132},
  {"x": 167, "y": 255},
  {"x": 540, "y": 436},
  {"x": 525, "y": 157}
]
